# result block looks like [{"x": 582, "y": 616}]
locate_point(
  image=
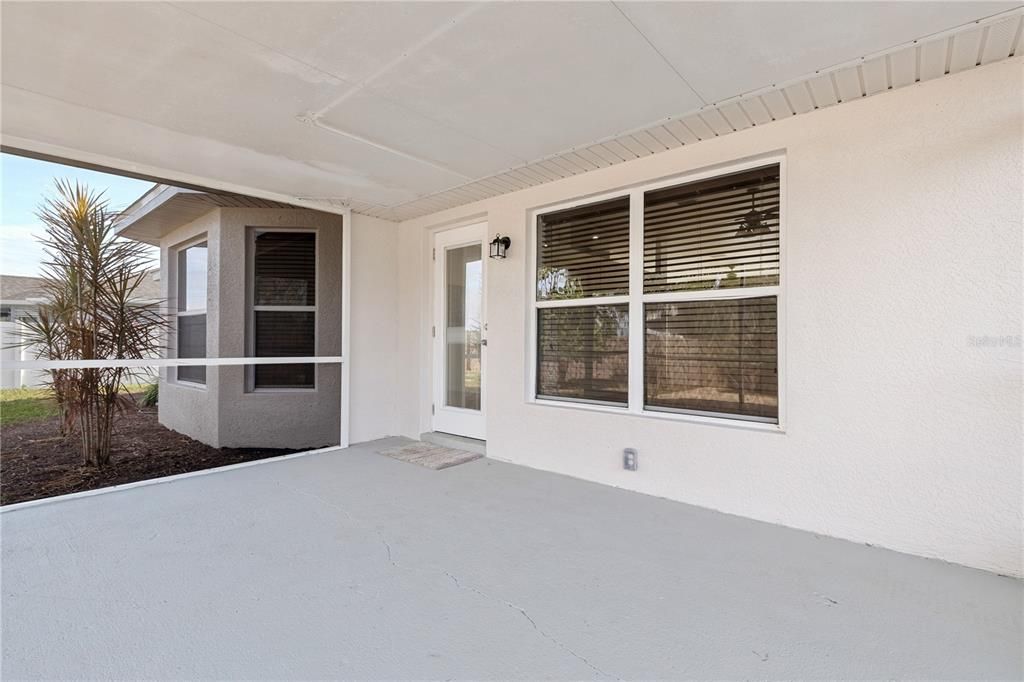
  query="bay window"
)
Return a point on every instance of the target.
[{"x": 692, "y": 269}]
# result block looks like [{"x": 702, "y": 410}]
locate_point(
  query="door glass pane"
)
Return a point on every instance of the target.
[{"x": 463, "y": 326}]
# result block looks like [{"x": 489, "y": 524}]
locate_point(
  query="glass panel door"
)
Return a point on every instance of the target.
[
  {"x": 463, "y": 326},
  {"x": 460, "y": 331}
]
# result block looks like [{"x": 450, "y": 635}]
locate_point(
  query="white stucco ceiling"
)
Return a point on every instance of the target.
[{"x": 389, "y": 105}]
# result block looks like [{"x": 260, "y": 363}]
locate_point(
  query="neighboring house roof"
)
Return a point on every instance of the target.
[
  {"x": 15, "y": 289},
  {"x": 19, "y": 290},
  {"x": 165, "y": 208}
]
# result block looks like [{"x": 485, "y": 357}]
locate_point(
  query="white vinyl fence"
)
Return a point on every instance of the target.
[{"x": 11, "y": 350}]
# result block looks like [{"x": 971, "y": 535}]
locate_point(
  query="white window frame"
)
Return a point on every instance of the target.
[
  {"x": 179, "y": 283},
  {"x": 251, "y": 308},
  {"x": 636, "y": 299}
]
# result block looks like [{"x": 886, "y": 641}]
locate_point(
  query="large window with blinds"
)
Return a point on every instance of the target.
[
  {"x": 282, "y": 319},
  {"x": 692, "y": 268}
]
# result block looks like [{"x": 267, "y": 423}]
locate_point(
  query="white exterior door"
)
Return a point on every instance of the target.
[{"x": 460, "y": 330}]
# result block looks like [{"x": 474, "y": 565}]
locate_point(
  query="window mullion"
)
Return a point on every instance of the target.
[
  {"x": 580, "y": 302},
  {"x": 730, "y": 293},
  {"x": 636, "y": 306},
  {"x": 285, "y": 308}
]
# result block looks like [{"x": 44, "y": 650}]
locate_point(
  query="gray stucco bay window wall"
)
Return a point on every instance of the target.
[{"x": 270, "y": 286}]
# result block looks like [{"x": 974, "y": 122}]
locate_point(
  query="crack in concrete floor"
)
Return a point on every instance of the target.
[{"x": 455, "y": 580}]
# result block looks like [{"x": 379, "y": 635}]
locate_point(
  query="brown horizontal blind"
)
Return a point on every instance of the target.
[
  {"x": 284, "y": 265},
  {"x": 718, "y": 356},
  {"x": 284, "y": 334},
  {"x": 192, "y": 344},
  {"x": 584, "y": 251},
  {"x": 717, "y": 233},
  {"x": 583, "y": 353}
]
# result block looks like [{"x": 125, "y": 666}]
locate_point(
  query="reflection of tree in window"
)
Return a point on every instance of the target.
[{"x": 583, "y": 352}]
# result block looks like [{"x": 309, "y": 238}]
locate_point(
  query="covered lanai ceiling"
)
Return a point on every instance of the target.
[{"x": 399, "y": 109}]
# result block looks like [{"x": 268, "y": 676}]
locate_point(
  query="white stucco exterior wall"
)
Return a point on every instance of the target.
[
  {"x": 903, "y": 248},
  {"x": 375, "y": 329}
]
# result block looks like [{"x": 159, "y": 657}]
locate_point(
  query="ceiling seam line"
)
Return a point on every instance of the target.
[
  {"x": 317, "y": 123},
  {"x": 252, "y": 40},
  {"x": 354, "y": 87},
  {"x": 698, "y": 114},
  {"x": 659, "y": 53},
  {"x": 614, "y": 139},
  {"x": 180, "y": 132},
  {"x": 800, "y": 81},
  {"x": 405, "y": 55}
]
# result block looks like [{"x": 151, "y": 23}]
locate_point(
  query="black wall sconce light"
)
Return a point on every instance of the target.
[{"x": 499, "y": 246}]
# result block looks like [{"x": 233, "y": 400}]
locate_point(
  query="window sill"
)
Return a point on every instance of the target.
[
  {"x": 192, "y": 385},
  {"x": 765, "y": 427},
  {"x": 282, "y": 390}
]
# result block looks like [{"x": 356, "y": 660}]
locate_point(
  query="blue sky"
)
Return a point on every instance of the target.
[{"x": 23, "y": 185}]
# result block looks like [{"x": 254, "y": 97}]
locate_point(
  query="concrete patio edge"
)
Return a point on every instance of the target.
[{"x": 7, "y": 508}]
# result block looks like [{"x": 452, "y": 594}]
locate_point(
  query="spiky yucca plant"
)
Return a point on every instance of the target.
[{"x": 92, "y": 313}]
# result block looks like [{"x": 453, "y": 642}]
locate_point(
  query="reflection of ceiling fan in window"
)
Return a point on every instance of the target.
[{"x": 755, "y": 222}]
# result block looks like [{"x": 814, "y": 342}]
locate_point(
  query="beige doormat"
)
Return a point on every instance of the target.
[{"x": 430, "y": 455}]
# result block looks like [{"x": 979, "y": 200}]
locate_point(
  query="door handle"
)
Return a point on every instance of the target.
[{"x": 483, "y": 342}]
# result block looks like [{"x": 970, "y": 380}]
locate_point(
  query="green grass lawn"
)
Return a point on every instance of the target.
[{"x": 19, "y": 405}]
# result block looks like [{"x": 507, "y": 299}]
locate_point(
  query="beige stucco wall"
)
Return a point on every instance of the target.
[
  {"x": 903, "y": 247},
  {"x": 185, "y": 408},
  {"x": 224, "y": 413},
  {"x": 286, "y": 418}
]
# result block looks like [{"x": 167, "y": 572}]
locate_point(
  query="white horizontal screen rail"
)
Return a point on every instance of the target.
[{"x": 170, "y": 362}]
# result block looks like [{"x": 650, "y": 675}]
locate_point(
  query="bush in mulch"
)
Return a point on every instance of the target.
[{"x": 36, "y": 462}]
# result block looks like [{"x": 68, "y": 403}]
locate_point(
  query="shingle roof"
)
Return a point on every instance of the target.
[
  {"x": 19, "y": 288},
  {"x": 165, "y": 208}
]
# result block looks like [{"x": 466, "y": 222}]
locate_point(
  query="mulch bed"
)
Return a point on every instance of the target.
[{"x": 36, "y": 462}]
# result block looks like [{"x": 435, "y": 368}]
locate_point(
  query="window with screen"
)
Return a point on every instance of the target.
[
  {"x": 191, "y": 317},
  {"x": 704, "y": 300},
  {"x": 283, "y": 314}
]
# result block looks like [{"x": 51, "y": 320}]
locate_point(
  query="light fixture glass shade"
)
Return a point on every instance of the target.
[{"x": 499, "y": 246}]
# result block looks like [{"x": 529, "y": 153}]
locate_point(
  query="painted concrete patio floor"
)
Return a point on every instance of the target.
[{"x": 353, "y": 565}]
